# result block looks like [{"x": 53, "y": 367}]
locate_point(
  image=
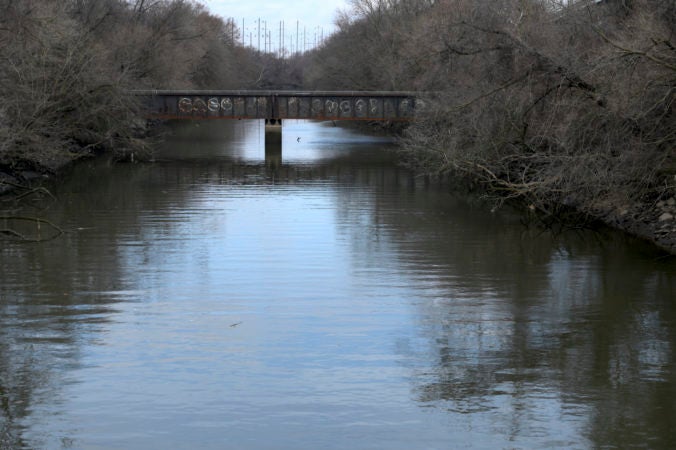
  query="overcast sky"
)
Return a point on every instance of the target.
[{"x": 313, "y": 15}]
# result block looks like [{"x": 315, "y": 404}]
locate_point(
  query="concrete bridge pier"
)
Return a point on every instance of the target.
[{"x": 273, "y": 143}]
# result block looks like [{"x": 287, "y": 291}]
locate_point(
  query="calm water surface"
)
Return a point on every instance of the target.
[{"x": 216, "y": 300}]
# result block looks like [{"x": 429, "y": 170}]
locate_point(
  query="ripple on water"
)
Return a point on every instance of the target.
[{"x": 216, "y": 300}]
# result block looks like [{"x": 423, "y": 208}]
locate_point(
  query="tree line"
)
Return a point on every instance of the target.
[{"x": 567, "y": 105}]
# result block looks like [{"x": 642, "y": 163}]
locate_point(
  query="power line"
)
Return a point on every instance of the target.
[{"x": 287, "y": 44}]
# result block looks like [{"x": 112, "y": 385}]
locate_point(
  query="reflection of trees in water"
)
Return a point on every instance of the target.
[
  {"x": 39, "y": 343},
  {"x": 517, "y": 313},
  {"x": 54, "y": 297},
  {"x": 632, "y": 357},
  {"x": 43, "y": 323},
  {"x": 16, "y": 387}
]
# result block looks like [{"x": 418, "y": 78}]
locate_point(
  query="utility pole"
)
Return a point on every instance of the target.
[
  {"x": 297, "y": 25},
  {"x": 259, "y": 34}
]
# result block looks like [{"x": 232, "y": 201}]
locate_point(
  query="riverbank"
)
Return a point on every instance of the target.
[
  {"x": 135, "y": 145},
  {"x": 655, "y": 222},
  {"x": 651, "y": 220}
]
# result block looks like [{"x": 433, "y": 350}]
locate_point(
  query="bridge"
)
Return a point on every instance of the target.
[{"x": 274, "y": 106}]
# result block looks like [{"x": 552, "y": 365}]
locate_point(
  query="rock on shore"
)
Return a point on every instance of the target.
[{"x": 654, "y": 222}]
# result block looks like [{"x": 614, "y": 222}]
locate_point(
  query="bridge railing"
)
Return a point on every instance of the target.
[{"x": 317, "y": 105}]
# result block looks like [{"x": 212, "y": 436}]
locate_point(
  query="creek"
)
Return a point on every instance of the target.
[{"x": 329, "y": 300}]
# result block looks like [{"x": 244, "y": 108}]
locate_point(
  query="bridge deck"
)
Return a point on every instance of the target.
[{"x": 317, "y": 105}]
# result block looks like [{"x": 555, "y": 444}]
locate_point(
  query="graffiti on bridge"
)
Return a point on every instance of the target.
[{"x": 299, "y": 107}]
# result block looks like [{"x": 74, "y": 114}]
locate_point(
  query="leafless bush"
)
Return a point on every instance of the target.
[
  {"x": 59, "y": 102},
  {"x": 543, "y": 119}
]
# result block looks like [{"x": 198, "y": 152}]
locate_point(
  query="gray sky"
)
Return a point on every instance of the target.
[{"x": 313, "y": 16}]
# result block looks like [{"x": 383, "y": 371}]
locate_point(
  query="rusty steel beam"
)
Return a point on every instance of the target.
[{"x": 315, "y": 105}]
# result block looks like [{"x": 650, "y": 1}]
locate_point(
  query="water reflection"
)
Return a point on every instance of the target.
[
  {"x": 244, "y": 142},
  {"x": 529, "y": 329},
  {"x": 330, "y": 300},
  {"x": 564, "y": 338}
]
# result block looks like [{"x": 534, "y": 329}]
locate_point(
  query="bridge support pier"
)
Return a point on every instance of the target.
[
  {"x": 273, "y": 131},
  {"x": 273, "y": 142}
]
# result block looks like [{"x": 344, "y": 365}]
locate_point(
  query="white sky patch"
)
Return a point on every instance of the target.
[{"x": 312, "y": 16}]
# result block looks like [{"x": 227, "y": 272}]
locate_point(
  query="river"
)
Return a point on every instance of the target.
[{"x": 218, "y": 300}]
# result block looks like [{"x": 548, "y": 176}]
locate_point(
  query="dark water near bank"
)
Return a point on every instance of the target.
[{"x": 213, "y": 301}]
